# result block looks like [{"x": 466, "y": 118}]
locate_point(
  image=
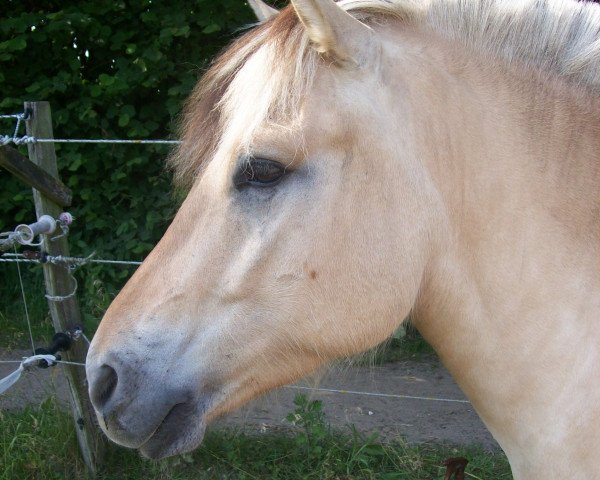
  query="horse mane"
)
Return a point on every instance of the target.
[{"x": 560, "y": 38}]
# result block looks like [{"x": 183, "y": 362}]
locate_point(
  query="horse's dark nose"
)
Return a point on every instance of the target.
[
  {"x": 139, "y": 401},
  {"x": 113, "y": 387},
  {"x": 103, "y": 386}
]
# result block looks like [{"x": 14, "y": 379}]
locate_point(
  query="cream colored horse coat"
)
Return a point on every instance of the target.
[{"x": 351, "y": 163}]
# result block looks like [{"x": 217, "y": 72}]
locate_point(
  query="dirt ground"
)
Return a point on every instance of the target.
[{"x": 417, "y": 421}]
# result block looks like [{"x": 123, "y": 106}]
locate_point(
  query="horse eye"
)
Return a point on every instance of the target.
[{"x": 259, "y": 172}]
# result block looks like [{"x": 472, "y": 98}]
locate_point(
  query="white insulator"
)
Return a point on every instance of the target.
[
  {"x": 66, "y": 218},
  {"x": 44, "y": 226}
]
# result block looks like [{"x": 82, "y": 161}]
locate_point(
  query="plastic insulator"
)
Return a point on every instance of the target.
[
  {"x": 60, "y": 341},
  {"x": 44, "y": 363},
  {"x": 65, "y": 218}
]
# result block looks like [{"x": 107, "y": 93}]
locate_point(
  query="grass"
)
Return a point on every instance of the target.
[{"x": 40, "y": 444}]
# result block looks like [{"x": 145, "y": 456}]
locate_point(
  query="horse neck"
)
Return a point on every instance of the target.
[
  {"x": 513, "y": 290},
  {"x": 497, "y": 139}
]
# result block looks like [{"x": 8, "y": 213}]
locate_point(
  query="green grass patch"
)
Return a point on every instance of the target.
[{"x": 40, "y": 444}]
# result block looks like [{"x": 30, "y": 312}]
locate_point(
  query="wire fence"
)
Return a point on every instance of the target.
[
  {"x": 25, "y": 139},
  {"x": 5, "y": 140},
  {"x": 69, "y": 261}
]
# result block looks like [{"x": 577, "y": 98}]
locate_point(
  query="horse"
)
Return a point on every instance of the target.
[{"x": 348, "y": 164}]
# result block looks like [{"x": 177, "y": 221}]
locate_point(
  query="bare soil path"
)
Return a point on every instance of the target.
[{"x": 417, "y": 421}]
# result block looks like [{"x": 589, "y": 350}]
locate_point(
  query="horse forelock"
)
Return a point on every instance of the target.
[
  {"x": 206, "y": 111},
  {"x": 557, "y": 37}
]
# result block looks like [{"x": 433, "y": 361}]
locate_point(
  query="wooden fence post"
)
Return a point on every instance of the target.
[{"x": 65, "y": 312}]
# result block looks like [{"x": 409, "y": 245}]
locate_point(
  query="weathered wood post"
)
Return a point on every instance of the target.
[{"x": 59, "y": 283}]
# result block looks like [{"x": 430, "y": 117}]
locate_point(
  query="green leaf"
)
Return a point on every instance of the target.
[
  {"x": 14, "y": 45},
  {"x": 76, "y": 161},
  {"x": 123, "y": 120},
  {"x": 211, "y": 28},
  {"x": 153, "y": 54},
  {"x": 95, "y": 91},
  {"x": 182, "y": 31},
  {"x": 106, "y": 80}
]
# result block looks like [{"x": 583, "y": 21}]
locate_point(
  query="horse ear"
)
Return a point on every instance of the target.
[
  {"x": 335, "y": 32},
  {"x": 262, "y": 11}
]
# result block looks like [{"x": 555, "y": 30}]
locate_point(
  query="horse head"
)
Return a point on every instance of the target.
[{"x": 304, "y": 236}]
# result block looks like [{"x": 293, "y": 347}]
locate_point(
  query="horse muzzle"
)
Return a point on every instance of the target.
[{"x": 142, "y": 407}]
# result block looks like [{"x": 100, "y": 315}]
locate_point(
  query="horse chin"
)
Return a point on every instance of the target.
[{"x": 181, "y": 431}]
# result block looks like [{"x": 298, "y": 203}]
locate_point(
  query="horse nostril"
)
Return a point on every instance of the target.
[{"x": 103, "y": 386}]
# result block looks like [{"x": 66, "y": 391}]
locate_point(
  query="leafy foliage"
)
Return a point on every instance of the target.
[
  {"x": 310, "y": 417},
  {"x": 109, "y": 70}
]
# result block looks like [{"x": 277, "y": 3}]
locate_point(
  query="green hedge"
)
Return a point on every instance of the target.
[{"x": 110, "y": 69}]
